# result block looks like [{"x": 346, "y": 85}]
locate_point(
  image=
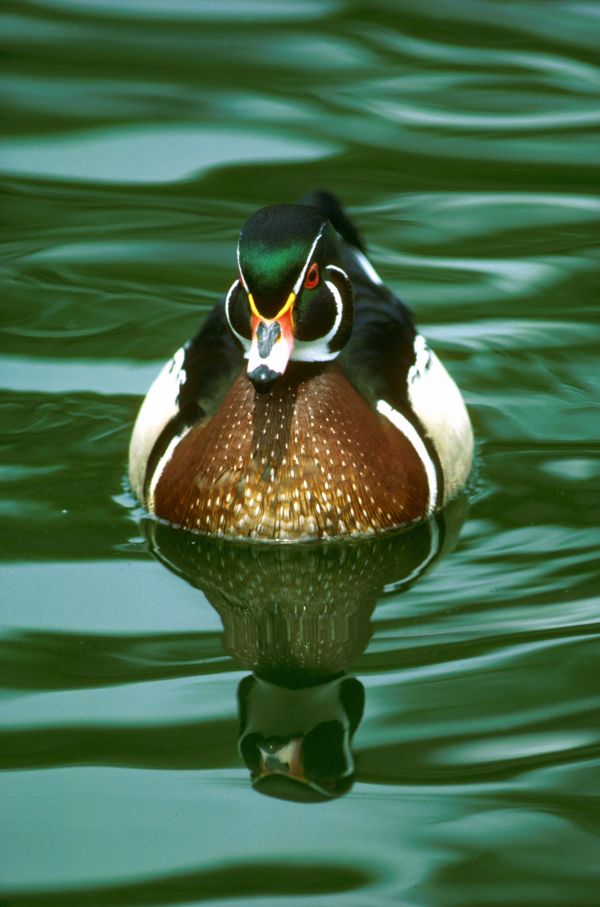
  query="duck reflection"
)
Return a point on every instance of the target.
[
  {"x": 296, "y": 742},
  {"x": 298, "y": 616}
]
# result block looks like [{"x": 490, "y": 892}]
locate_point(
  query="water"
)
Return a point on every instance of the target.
[{"x": 137, "y": 137}]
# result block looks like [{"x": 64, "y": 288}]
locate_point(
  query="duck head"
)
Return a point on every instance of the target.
[{"x": 292, "y": 300}]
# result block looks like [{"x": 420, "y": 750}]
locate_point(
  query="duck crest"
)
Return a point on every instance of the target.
[{"x": 308, "y": 458}]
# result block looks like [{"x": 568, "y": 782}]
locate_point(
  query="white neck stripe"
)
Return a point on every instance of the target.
[
  {"x": 318, "y": 350},
  {"x": 243, "y": 340},
  {"x": 312, "y": 351}
]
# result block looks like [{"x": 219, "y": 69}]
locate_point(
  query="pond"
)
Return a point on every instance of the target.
[{"x": 455, "y": 666}]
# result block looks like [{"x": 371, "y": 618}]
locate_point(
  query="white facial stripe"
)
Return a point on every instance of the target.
[
  {"x": 160, "y": 466},
  {"x": 411, "y": 434},
  {"x": 339, "y": 270},
  {"x": 243, "y": 340},
  {"x": 300, "y": 280},
  {"x": 242, "y": 278},
  {"x": 339, "y": 306}
]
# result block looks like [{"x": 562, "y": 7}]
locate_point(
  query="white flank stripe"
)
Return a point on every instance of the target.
[
  {"x": 411, "y": 434},
  {"x": 160, "y": 467},
  {"x": 434, "y": 547}
]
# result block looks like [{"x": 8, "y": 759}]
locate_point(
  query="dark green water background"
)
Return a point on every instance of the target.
[{"x": 137, "y": 135}]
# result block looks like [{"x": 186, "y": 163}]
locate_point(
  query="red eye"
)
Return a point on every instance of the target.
[{"x": 312, "y": 277}]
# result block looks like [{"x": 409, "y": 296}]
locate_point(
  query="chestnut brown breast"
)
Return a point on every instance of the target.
[{"x": 308, "y": 458}]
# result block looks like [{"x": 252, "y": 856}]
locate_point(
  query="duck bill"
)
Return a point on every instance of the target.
[
  {"x": 286, "y": 760},
  {"x": 271, "y": 347}
]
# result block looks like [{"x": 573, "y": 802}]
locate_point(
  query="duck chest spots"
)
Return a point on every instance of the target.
[{"x": 272, "y": 466}]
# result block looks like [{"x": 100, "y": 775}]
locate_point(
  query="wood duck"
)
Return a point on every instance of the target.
[{"x": 307, "y": 406}]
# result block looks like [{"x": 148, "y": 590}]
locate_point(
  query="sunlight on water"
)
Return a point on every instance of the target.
[
  {"x": 148, "y": 154},
  {"x": 200, "y": 9}
]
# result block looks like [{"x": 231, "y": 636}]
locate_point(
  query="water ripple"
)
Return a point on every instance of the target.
[
  {"x": 149, "y": 154},
  {"x": 138, "y": 136}
]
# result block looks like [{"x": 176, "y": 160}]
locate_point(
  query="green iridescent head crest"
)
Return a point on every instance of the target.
[{"x": 274, "y": 247}]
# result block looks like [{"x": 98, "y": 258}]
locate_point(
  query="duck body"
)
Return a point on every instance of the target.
[{"x": 307, "y": 406}]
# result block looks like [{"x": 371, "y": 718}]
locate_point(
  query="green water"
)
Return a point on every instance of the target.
[{"x": 137, "y": 136}]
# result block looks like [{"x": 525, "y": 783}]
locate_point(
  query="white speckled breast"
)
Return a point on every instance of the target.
[{"x": 307, "y": 459}]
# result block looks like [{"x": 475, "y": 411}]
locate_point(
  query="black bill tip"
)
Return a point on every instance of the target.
[{"x": 263, "y": 377}]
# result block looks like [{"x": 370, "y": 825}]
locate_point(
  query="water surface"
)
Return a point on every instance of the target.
[{"x": 137, "y": 137}]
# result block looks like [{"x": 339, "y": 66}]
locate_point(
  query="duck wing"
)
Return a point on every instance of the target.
[{"x": 190, "y": 388}]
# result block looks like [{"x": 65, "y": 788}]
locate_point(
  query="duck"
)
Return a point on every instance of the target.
[{"x": 308, "y": 406}]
